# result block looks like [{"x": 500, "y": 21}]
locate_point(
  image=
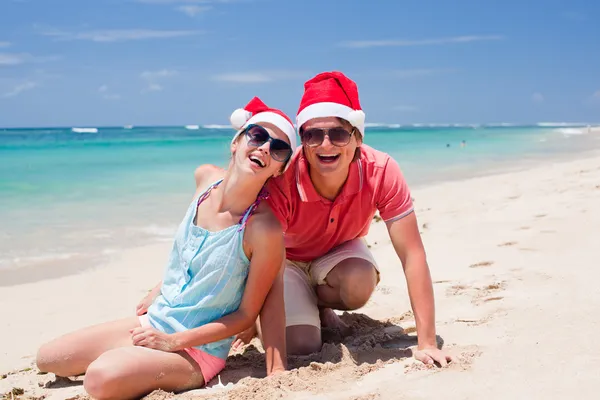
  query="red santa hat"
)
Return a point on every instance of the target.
[
  {"x": 255, "y": 112},
  {"x": 331, "y": 94}
]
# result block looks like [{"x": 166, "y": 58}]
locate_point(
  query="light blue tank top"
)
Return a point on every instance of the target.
[{"x": 205, "y": 277}]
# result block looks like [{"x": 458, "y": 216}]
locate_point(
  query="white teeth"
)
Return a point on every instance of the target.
[{"x": 258, "y": 160}]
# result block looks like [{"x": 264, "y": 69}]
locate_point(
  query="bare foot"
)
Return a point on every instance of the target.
[
  {"x": 329, "y": 319},
  {"x": 244, "y": 337}
]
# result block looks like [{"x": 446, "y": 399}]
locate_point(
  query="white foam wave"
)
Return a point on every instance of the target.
[
  {"x": 214, "y": 126},
  {"x": 498, "y": 124},
  {"x": 560, "y": 124},
  {"x": 84, "y": 130},
  {"x": 192, "y": 127},
  {"x": 571, "y": 131},
  {"x": 160, "y": 231}
]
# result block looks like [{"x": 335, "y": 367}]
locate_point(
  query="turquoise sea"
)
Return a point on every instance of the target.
[{"x": 72, "y": 195}]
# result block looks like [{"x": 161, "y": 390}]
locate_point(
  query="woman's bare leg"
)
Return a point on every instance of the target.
[
  {"x": 132, "y": 372},
  {"x": 72, "y": 353}
]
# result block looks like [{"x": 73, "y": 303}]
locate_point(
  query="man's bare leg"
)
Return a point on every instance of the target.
[{"x": 349, "y": 285}]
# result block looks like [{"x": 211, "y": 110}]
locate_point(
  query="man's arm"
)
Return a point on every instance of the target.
[{"x": 405, "y": 236}]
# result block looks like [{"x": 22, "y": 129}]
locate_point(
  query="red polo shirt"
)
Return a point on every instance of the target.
[{"x": 314, "y": 225}]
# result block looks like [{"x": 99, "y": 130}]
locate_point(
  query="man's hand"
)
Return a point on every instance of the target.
[{"x": 430, "y": 355}]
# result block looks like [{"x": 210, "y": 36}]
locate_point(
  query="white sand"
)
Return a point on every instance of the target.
[{"x": 523, "y": 326}]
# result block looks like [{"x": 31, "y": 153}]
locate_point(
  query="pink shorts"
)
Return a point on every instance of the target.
[{"x": 209, "y": 364}]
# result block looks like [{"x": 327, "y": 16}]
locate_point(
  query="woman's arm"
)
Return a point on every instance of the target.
[{"x": 265, "y": 239}]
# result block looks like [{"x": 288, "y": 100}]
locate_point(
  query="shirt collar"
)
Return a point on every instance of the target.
[{"x": 307, "y": 190}]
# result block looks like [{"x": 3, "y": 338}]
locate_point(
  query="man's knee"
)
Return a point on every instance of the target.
[
  {"x": 357, "y": 281},
  {"x": 303, "y": 339}
]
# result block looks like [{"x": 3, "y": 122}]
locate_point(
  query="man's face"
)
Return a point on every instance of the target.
[{"x": 336, "y": 151}]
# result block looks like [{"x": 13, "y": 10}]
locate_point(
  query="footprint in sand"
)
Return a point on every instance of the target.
[
  {"x": 540, "y": 215},
  {"x": 481, "y": 264},
  {"x": 506, "y": 244},
  {"x": 493, "y": 299}
]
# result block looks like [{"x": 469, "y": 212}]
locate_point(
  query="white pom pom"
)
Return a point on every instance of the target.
[
  {"x": 356, "y": 118},
  {"x": 239, "y": 117}
]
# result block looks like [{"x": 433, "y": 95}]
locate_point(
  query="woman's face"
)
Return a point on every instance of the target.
[{"x": 252, "y": 154}]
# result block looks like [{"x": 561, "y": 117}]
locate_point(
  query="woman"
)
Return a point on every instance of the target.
[{"x": 227, "y": 252}]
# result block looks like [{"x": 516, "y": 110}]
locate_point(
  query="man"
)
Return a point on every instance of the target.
[{"x": 325, "y": 202}]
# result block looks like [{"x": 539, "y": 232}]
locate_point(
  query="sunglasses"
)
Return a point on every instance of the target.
[
  {"x": 338, "y": 136},
  {"x": 280, "y": 150}
]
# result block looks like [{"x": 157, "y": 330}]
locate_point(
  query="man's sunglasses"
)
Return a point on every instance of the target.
[
  {"x": 338, "y": 136},
  {"x": 280, "y": 150}
]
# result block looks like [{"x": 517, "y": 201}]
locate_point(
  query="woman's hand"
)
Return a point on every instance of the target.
[
  {"x": 144, "y": 304},
  {"x": 153, "y": 339},
  {"x": 147, "y": 301}
]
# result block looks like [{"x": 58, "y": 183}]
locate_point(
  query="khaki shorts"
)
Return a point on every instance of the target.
[{"x": 301, "y": 279}]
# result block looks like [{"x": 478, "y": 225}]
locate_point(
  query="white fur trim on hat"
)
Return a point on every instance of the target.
[
  {"x": 239, "y": 118},
  {"x": 328, "y": 109},
  {"x": 275, "y": 119}
]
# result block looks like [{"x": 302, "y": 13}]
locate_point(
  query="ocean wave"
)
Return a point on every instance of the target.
[
  {"x": 214, "y": 126},
  {"x": 572, "y": 131},
  {"x": 84, "y": 130},
  {"x": 159, "y": 231},
  {"x": 560, "y": 124},
  {"x": 192, "y": 127}
]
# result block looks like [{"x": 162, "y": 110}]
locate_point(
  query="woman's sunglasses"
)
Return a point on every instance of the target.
[
  {"x": 279, "y": 149},
  {"x": 338, "y": 136}
]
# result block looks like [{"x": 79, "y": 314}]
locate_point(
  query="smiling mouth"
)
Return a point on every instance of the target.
[
  {"x": 257, "y": 161},
  {"x": 327, "y": 159}
]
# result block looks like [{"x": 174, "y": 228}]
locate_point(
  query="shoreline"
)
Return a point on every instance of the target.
[
  {"x": 511, "y": 256},
  {"x": 74, "y": 263}
]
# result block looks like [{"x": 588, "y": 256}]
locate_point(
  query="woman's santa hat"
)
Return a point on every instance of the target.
[
  {"x": 331, "y": 94},
  {"x": 256, "y": 112}
]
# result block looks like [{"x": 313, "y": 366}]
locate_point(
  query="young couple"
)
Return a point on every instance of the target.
[{"x": 278, "y": 218}]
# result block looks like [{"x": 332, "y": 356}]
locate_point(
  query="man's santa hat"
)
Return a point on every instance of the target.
[
  {"x": 256, "y": 112},
  {"x": 331, "y": 94}
]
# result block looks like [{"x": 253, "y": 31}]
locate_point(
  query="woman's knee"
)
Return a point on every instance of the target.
[
  {"x": 51, "y": 358},
  {"x": 103, "y": 378}
]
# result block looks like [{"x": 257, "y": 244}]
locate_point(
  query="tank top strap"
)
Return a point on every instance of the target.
[
  {"x": 204, "y": 195},
  {"x": 262, "y": 195}
]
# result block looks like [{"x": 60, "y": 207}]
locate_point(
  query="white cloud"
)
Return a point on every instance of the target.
[
  {"x": 419, "y": 42},
  {"x": 193, "y": 10},
  {"x": 13, "y": 58},
  {"x": 537, "y": 97},
  {"x": 259, "y": 77},
  {"x": 5, "y": 44},
  {"x": 163, "y": 73},
  {"x": 118, "y": 35},
  {"x": 8, "y": 59},
  {"x": 154, "y": 87},
  {"x": 406, "y": 108},
  {"x": 23, "y": 87},
  {"x": 106, "y": 94},
  {"x": 151, "y": 77}
]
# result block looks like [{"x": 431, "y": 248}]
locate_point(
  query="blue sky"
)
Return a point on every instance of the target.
[{"x": 174, "y": 62}]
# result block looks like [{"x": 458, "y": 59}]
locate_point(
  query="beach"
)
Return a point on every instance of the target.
[{"x": 513, "y": 258}]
